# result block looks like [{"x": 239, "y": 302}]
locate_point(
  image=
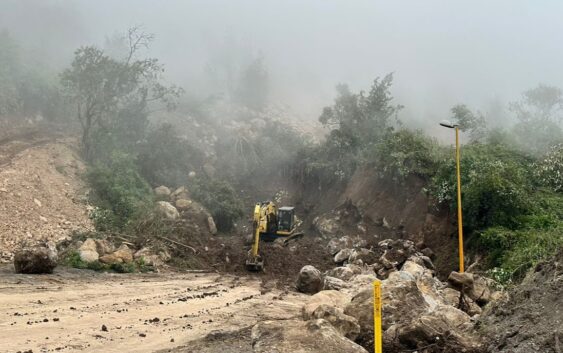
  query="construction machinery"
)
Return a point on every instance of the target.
[{"x": 270, "y": 223}]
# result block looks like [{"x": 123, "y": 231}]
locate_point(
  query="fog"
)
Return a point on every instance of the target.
[{"x": 481, "y": 53}]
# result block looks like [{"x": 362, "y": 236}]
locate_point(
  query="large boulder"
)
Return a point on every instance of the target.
[
  {"x": 327, "y": 225},
  {"x": 162, "y": 192},
  {"x": 333, "y": 283},
  {"x": 359, "y": 282},
  {"x": 342, "y": 256},
  {"x": 88, "y": 251},
  {"x": 104, "y": 246},
  {"x": 211, "y": 225},
  {"x": 309, "y": 280},
  {"x": 296, "y": 336},
  {"x": 344, "y": 273},
  {"x": 167, "y": 210},
  {"x": 447, "y": 329},
  {"x": 473, "y": 286},
  {"x": 38, "y": 260},
  {"x": 121, "y": 255},
  {"x": 403, "y": 301},
  {"x": 124, "y": 253},
  {"x": 183, "y": 204},
  {"x": 362, "y": 256},
  {"x": 345, "y": 324},
  {"x": 337, "y": 244},
  {"x": 110, "y": 259},
  {"x": 480, "y": 292},
  {"x": 150, "y": 258},
  {"x": 460, "y": 280},
  {"x": 325, "y": 297}
]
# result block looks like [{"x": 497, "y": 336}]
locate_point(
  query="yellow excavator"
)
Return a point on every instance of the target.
[{"x": 269, "y": 224}]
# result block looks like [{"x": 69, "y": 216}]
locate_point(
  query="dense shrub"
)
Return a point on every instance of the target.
[
  {"x": 515, "y": 251},
  {"x": 166, "y": 159},
  {"x": 119, "y": 191},
  {"x": 405, "y": 152},
  {"x": 220, "y": 199},
  {"x": 495, "y": 185},
  {"x": 549, "y": 169}
]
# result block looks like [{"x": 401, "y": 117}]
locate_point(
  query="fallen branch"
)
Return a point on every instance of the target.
[{"x": 177, "y": 243}]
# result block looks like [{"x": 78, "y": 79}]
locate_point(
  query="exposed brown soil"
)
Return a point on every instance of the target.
[
  {"x": 532, "y": 319},
  {"x": 228, "y": 253}
]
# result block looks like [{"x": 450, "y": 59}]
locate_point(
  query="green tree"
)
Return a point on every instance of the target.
[
  {"x": 473, "y": 123},
  {"x": 358, "y": 120},
  {"x": 107, "y": 90}
]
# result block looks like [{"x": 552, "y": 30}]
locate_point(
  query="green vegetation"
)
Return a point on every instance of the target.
[
  {"x": 221, "y": 200},
  {"x": 119, "y": 191},
  {"x": 112, "y": 95},
  {"x": 511, "y": 179},
  {"x": 166, "y": 159},
  {"x": 72, "y": 259}
]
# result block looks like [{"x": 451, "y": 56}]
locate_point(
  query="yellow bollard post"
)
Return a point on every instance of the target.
[{"x": 377, "y": 337}]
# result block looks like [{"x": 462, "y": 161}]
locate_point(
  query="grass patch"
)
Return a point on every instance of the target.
[{"x": 73, "y": 259}]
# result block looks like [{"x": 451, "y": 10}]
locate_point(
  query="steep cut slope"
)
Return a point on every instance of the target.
[
  {"x": 406, "y": 209},
  {"x": 531, "y": 319}
]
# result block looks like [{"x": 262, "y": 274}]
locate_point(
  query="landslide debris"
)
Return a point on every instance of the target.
[
  {"x": 530, "y": 318},
  {"x": 42, "y": 195},
  {"x": 421, "y": 313}
]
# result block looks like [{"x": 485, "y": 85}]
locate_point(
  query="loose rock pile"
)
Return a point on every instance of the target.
[
  {"x": 178, "y": 205},
  {"x": 420, "y": 313}
]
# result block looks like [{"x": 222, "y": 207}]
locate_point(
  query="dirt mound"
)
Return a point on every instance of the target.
[
  {"x": 41, "y": 191},
  {"x": 531, "y": 320}
]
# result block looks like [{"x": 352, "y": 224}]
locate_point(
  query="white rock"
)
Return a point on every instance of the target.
[{"x": 166, "y": 209}]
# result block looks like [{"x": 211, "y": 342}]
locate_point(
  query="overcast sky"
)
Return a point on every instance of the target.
[{"x": 442, "y": 52}]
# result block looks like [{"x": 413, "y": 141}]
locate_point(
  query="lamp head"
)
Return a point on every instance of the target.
[{"x": 448, "y": 124}]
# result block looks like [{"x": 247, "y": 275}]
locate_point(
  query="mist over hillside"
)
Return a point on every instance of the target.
[{"x": 442, "y": 53}]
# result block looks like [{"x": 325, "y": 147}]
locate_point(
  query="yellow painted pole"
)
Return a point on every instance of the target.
[
  {"x": 377, "y": 337},
  {"x": 459, "y": 217}
]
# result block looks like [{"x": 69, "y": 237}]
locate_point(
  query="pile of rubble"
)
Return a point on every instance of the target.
[
  {"x": 175, "y": 207},
  {"x": 177, "y": 204},
  {"x": 42, "y": 195},
  {"x": 420, "y": 312}
]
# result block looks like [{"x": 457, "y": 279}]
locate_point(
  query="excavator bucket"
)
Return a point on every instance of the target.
[{"x": 254, "y": 264}]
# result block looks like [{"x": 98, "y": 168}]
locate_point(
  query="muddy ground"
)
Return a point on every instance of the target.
[{"x": 79, "y": 310}]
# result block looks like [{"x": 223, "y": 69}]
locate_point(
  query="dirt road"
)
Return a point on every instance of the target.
[{"x": 74, "y": 310}]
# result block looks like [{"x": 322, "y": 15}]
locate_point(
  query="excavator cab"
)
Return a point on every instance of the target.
[{"x": 286, "y": 220}]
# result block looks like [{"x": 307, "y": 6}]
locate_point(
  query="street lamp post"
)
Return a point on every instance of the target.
[{"x": 459, "y": 216}]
